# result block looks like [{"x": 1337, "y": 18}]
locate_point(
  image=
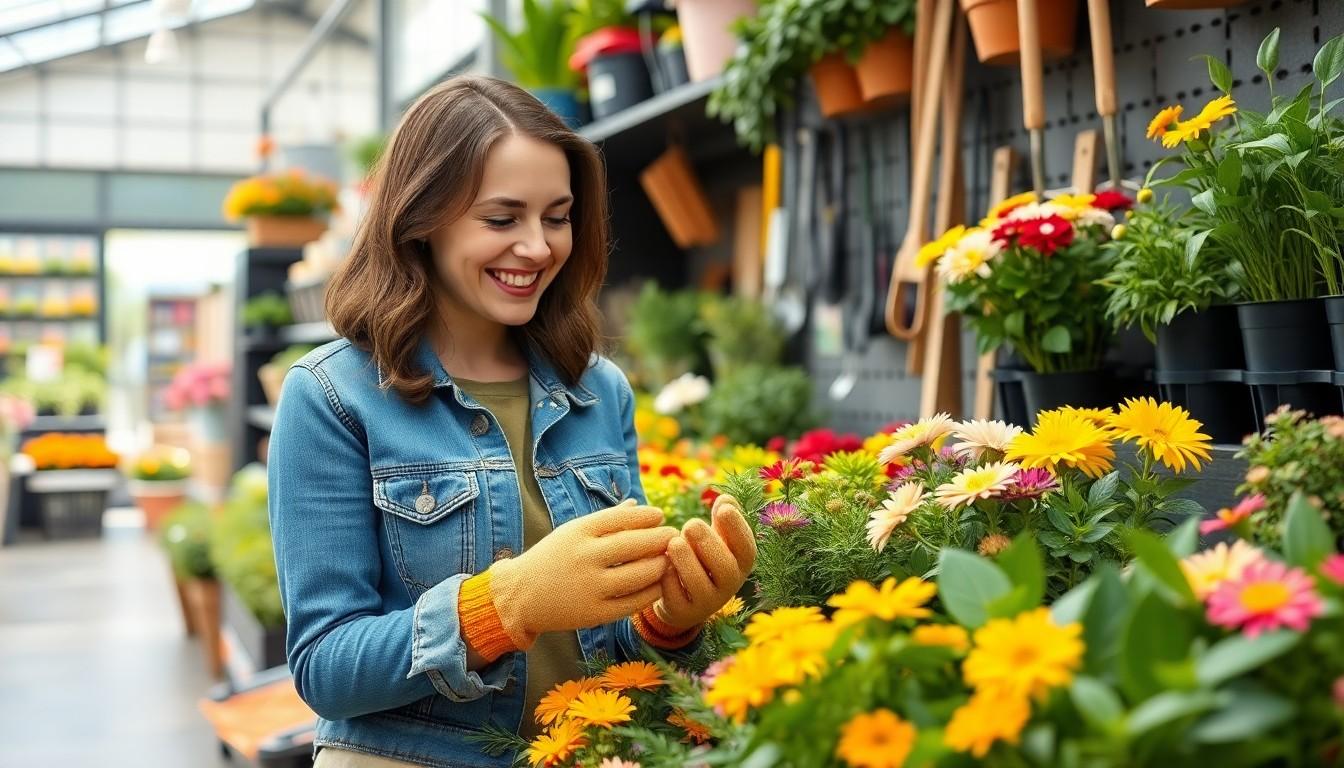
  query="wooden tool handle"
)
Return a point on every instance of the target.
[
  {"x": 917, "y": 228},
  {"x": 1103, "y": 55},
  {"x": 1033, "y": 89}
]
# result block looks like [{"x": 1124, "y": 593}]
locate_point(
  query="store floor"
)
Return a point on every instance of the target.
[{"x": 95, "y": 668}]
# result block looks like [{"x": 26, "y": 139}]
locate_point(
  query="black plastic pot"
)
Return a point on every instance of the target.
[
  {"x": 1334, "y": 315},
  {"x": 1201, "y": 341},
  {"x": 1011, "y": 399},
  {"x": 1217, "y": 398},
  {"x": 1285, "y": 335},
  {"x": 1313, "y": 391},
  {"x": 672, "y": 68},
  {"x": 617, "y": 81},
  {"x": 1084, "y": 389}
]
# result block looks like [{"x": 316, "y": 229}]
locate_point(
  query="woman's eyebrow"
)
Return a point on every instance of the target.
[{"x": 509, "y": 202}]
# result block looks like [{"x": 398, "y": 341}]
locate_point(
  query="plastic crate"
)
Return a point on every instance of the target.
[
  {"x": 307, "y": 300},
  {"x": 72, "y": 514}
]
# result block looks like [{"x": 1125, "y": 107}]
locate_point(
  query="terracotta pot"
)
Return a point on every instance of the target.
[
  {"x": 157, "y": 499},
  {"x": 678, "y": 197},
  {"x": 272, "y": 378},
  {"x": 994, "y": 29},
  {"x": 283, "y": 231},
  {"x": 707, "y": 34},
  {"x": 886, "y": 69},
  {"x": 837, "y": 86},
  {"x": 203, "y": 601},
  {"x": 180, "y": 587},
  {"x": 1193, "y": 5}
]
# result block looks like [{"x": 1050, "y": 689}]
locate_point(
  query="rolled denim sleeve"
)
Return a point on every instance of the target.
[{"x": 350, "y": 657}]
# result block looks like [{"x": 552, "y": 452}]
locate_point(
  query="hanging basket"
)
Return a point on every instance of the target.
[
  {"x": 994, "y": 29},
  {"x": 283, "y": 231},
  {"x": 886, "y": 69},
  {"x": 837, "y": 86}
]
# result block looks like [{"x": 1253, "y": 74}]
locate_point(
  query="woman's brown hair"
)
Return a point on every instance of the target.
[{"x": 382, "y": 297}]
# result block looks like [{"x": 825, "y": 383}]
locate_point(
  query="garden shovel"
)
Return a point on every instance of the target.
[
  {"x": 1033, "y": 89},
  {"x": 1103, "y": 78}
]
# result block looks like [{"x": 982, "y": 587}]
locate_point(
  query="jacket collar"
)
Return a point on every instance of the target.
[{"x": 545, "y": 380}]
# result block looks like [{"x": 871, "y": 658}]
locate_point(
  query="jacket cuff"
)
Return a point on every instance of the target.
[
  {"x": 659, "y": 633},
  {"x": 481, "y": 626},
  {"x": 439, "y": 649}
]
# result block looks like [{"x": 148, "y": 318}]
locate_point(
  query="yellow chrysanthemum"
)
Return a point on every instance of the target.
[
  {"x": 1064, "y": 438},
  {"x": 890, "y": 602},
  {"x": 556, "y": 702},
  {"x": 875, "y": 443},
  {"x": 600, "y": 708},
  {"x": 975, "y": 483},
  {"x": 877, "y": 739},
  {"x": 941, "y": 635},
  {"x": 1072, "y": 206},
  {"x": 748, "y": 683},
  {"x": 1027, "y": 655},
  {"x": 778, "y": 623},
  {"x": 1163, "y": 121},
  {"x": 1188, "y": 130},
  {"x": 1207, "y": 570},
  {"x": 731, "y": 608},
  {"x": 556, "y": 745},
  {"x": 1164, "y": 430},
  {"x": 632, "y": 675},
  {"x": 802, "y": 654},
  {"x": 988, "y": 717},
  {"x": 1099, "y": 416},
  {"x": 933, "y": 250},
  {"x": 1008, "y": 204}
]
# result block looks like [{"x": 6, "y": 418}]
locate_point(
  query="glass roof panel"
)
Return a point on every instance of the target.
[
  {"x": 21, "y": 14},
  {"x": 58, "y": 39},
  {"x": 129, "y": 22},
  {"x": 9, "y": 56}
]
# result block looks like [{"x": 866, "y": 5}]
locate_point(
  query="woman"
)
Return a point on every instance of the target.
[{"x": 454, "y": 489}]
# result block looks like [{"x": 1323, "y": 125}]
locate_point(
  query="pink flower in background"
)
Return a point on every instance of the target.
[
  {"x": 713, "y": 671},
  {"x": 616, "y": 762},
  {"x": 1339, "y": 692},
  {"x": 198, "y": 385},
  {"x": 1231, "y": 518},
  {"x": 1333, "y": 569},
  {"x": 16, "y": 414},
  {"x": 1030, "y": 484},
  {"x": 1268, "y": 596}
]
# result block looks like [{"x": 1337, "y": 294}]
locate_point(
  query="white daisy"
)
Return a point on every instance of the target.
[
  {"x": 893, "y": 512},
  {"x": 977, "y": 437}
]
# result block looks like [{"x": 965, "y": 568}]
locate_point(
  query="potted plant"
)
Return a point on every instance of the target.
[
  {"x": 282, "y": 210},
  {"x": 1267, "y": 184},
  {"x": 1294, "y": 454},
  {"x": 1027, "y": 276},
  {"x": 609, "y": 52},
  {"x": 202, "y": 389},
  {"x": 240, "y": 548},
  {"x": 74, "y": 473},
  {"x": 739, "y": 332},
  {"x": 158, "y": 482},
  {"x": 266, "y": 312},
  {"x": 185, "y": 537},
  {"x": 707, "y": 32},
  {"x": 885, "y": 69},
  {"x": 663, "y": 335},
  {"x": 1170, "y": 282},
  {"x": 757, "y": 402},
  {"x": 272, "y": 374},
  {"x": 364, "y": 153},
  {"x": 995, "y": 33},
  {"x": 537, "y": 55},
  {"x": 671, "y": 53}
]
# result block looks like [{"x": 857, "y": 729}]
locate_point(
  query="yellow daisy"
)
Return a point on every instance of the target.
[
  {"x": 877, "y": 739},
  {"x": 975, "y": 483},
  {"x": 802, "y": 654},
  {"x": 1064, "y": 438},
  {"x": 988, "y": 717},
  {"x": 925, "y": 432},
  {"x": 601, "y": 708},
  {"x": 556, "y": 745},
  {"x": 1072, "y": 206},
  {"x": 1215, "y": 110},
  {"x": 890, "y": 602},
  {"x": 894, "y": 511},
  {"x": 556, "y": 702},
  {"x": 1208, "y": 569},
  {"x": 942, "y": 635},
  {"x": 1099, "y": 416},
  {"x": 1027, "y": 655},
  {"x": 748, "y": 683},
  {"x": 1008, "y": 204},
  {"x": 1164, "y": 430},
  {"x": 780, "y": 622},
  {"x": 632, "y": 675},
  {"x": 933, "y": 250},
  {"x": 1163, "y": 121},
  {"x": 730, "y": 609},
  {"x": 970, "y": 257}
]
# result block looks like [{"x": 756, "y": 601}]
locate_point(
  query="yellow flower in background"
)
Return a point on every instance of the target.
[
  {"x": 877, "y": 739},
  {"x": 749, "y": 682},
  {"x": 1164, "y": 430},
  {"x": 730, "y": 609},
  {"x": 1207, "y": 570},
  {"x": 1188, "y": 130},
  {"x": 772, "y": 625},
  {"x": 632, "y": 675},
  {"x": 556, "y": 702},
  {"x": 1072, "y": 206},
  {"x": 743, "y": 458},
  {"x": 801, "y": 654},
  {"x": 873, "y": 444},
  {"x": 941, "y": 635},
  {"x": 644, "y": 421},
  {"x": 1008, "y": 204},
  {"x": 1099, "y": 416},
  {"x": 555, "y": 746},
  {"x": 1163, "y": 121},
  {"x": 667, "y": 428},
  {"x": 932, "y": 251},
  {"x": 891, "y": 601},
  {"x": 603, "y": 709},
  {"x": 1027, "y": 655},
  {"x": 988, "y": 717},
  {"x": 1069, "y": 439}
]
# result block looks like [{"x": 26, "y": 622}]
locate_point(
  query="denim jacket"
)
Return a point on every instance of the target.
[{"x": 379, "y": 511}]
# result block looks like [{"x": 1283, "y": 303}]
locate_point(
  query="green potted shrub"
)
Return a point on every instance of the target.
[
  {"x": 663, "y": 336},
  {"x": 266, "y": 312},
  {"x": 185, "y": 537},
  {"x": 609, "y": 52},
  {"x": 537, "y": 54},
  {"x": 739, "y": 332},
  {"x": 240, "y": 548},
  {"x": 757, "y": 402}
]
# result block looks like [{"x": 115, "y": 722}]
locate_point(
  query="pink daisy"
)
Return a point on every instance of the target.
[
  {"x": 1333, "y": 569},
  {"x": 783, "y": 517},
  {"x": 1231, "y": 518},
  {"x": 1269, "y": 595},
  {"x": 1030, "y": 484}
]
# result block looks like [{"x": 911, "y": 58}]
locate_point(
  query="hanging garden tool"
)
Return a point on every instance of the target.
[
  {"x": 1000, "y": 181},
  {"x": 1033, "y": 90},
  {"x": 905, "y": 315},
  {"x": 1103, "y": 78}
]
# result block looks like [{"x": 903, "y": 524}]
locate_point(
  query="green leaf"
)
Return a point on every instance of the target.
[
  {"x": 1196, "y": 242},
  {"x": 1307, "y": 540},
  {"x": 1246, "y": 716},
  {"x": 1219, "y": 74},
  {"x": 1154, "y": 557},
  {"x": 1204, "y": 202},
  {"x": 1155, "y": 644},
  {"x": 1267, "y": 58},
  {"x": 1186, "y": 508},
  {"x": 1165, "y": 708},
  {"x": 1103, "y": 490},
  {"x": 1104, "y": 620},
  {"x": 1098, "y": 704},
  {"x": 967, "y": 585},
  {"x": 1015, "y": 324},
  {"x": 1229, "y": 173},
  {"x": 1239, "y": 654},
  {"x": 1022, "y": 563},
  {"x": 1057, "y": 340},
  {"x": 1329, "y": 62},
  {"x": 1184, "y": 538},
  {"x": 1275, "y": 141},
  {"x": 1071, "y": 606}
]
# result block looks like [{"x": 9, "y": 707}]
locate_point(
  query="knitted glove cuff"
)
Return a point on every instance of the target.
[
  {"x": 479, "y": 619},
  {"x": 659, "y": 633}
]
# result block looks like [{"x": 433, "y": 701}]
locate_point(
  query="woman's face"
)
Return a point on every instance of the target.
[{"x": 497, "y": 259}]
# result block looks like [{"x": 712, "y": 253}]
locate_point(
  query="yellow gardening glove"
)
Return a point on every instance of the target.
[
  {"x": 590, "y": 571},
  {"x": 708, "y": 566}
]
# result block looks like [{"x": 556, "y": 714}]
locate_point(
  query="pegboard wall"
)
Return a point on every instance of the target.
[{"x": 1156, "y": 59}]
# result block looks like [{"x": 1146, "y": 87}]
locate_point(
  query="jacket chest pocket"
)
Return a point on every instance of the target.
[
  {"x": 605, "y": 485},
  {"x": 430, "y": 524}
]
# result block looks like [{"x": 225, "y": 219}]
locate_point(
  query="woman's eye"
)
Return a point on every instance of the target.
[
  {"x": 499, "y": 223},
  {"x": 557, "y": 221}
]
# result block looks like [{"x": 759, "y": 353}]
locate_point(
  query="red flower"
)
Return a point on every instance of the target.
[
  {"x": 1112, "y": 200},
  {"x": 892, "y": 426},
  {"x": 777, "y": 444},
  {"x": 816, "y": 445},
  {"x": 1047, "y": 234},
  {"x": 671, "y": 470},
  {"x": 1008, "y": 231},
  {"x": 709, "y": 496},
  {"x": 787, "y": 469}
]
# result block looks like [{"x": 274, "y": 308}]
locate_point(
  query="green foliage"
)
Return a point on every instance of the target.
[
  {"x": 538, "y": 53},
  {"x": 663, "y": 334},
  {"x": 74, "y": 392},
  {"x": 240, "y": 547},
  {"x": 781, "y": 42},
  {"x": 739, "y": 332},
  {"x": 1161, "y": 267},
  {"x": 366, "y": 150},
  {"x": 290, "y": 355},
  {"x": 266, "y": 311},
  {"x": 591, "y": 15},
  {"x": 755, "y": 403},
  {"x": 185, "y": 537},
  {"x": 1295, "y": 455}
]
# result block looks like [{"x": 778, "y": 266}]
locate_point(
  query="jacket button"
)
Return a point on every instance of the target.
[
  {"x": 480, "y": 425},
  {"x": 503, "y": 554}
]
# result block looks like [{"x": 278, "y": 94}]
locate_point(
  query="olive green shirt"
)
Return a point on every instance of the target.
[{"x": 555, "y": 656}]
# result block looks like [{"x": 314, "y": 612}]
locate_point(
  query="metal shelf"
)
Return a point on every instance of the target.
[
  {"x": 308, "y": 333},
  {"x": 261, "y": 416},
  {"x": 633, "y": 137}
]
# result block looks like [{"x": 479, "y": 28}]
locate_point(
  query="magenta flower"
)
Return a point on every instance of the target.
[
  {"x": 1333, "y": 569},
  {"x": 900, "y": 474},
  {"x": 783, "y": 517},
  {"x": 1339, "y": 692},
  {"x": 1268, "y": 595},
  {"x": 1232, "y": 518},
  {"x": 1030, "y": 484}
]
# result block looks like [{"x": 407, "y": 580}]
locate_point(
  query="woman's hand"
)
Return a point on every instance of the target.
[{"x": 709, "y": 564}]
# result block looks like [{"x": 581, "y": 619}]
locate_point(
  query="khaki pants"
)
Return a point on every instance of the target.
[{"x": 331, "y": 757}]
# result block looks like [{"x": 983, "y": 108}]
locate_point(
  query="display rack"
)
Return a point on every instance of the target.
[
  {"x": 171, "y": 344},
  {"x": 51, "y": 288}
]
